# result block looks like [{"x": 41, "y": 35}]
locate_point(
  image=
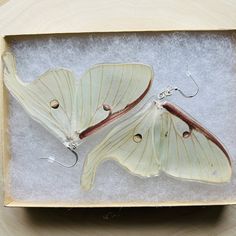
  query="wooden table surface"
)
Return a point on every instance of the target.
[{"x": 30, "y": 16}]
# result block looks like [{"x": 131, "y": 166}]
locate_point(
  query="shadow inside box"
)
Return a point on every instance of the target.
[{"x": 127, "y": 217}]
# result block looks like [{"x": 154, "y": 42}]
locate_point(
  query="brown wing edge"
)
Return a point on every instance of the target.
[
  {"x": 193, "y": 124},
  {"x": 113, "y": 116}
]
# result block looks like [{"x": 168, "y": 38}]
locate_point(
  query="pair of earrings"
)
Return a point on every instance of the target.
[{"x": 160, "y": 137}]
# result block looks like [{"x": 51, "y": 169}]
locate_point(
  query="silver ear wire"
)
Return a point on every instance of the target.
[
  {"x": 169, "y": 90},
  {"x": 52, "y": 160},
  {"x": 71, "y": 146},
  {"x": 197, "y": 87}
]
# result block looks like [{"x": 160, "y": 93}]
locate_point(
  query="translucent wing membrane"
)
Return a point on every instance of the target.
[
  {"x": 107, "y": 91},
  {"x": 49, "y": 99},
  {"x": 190, "y": 151},
  {"x": 162, "y": 137},
  {"x": 130, "y": 144},
  {"x": 104, "y": 93}
]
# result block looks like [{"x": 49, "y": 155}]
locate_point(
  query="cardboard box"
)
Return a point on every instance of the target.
[{"x": 110, "y": 17}]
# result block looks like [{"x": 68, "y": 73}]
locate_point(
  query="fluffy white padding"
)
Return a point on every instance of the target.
[{"x": 210, "y": 58}]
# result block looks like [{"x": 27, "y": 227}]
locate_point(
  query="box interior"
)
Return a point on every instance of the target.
[{"x": 210, "y": 57}]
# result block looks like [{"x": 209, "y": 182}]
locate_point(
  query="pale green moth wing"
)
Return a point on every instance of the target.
[
  {"x": 135, "y": 153},
  {"x": 161, "y": 137},
  {"x": 190, "y": 151},
  {"x": 72, "y": 109},
  {"x": 49, "y": 99}
]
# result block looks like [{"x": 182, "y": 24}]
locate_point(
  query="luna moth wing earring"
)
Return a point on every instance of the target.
[
  {"x": 72, "y": 111},
  {"x": 161, "y": 137}
]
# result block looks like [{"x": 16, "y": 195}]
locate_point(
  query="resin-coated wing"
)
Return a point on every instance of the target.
[
  {"x": 71, "y": 110},
  {"x": 161, "y": 137},
  {"x": 49, "y": 99}
]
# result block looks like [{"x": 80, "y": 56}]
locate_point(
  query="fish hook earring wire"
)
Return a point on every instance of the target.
[
  {"x": 169, "y": 90},
  {"x": 52, "y": 160}
]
